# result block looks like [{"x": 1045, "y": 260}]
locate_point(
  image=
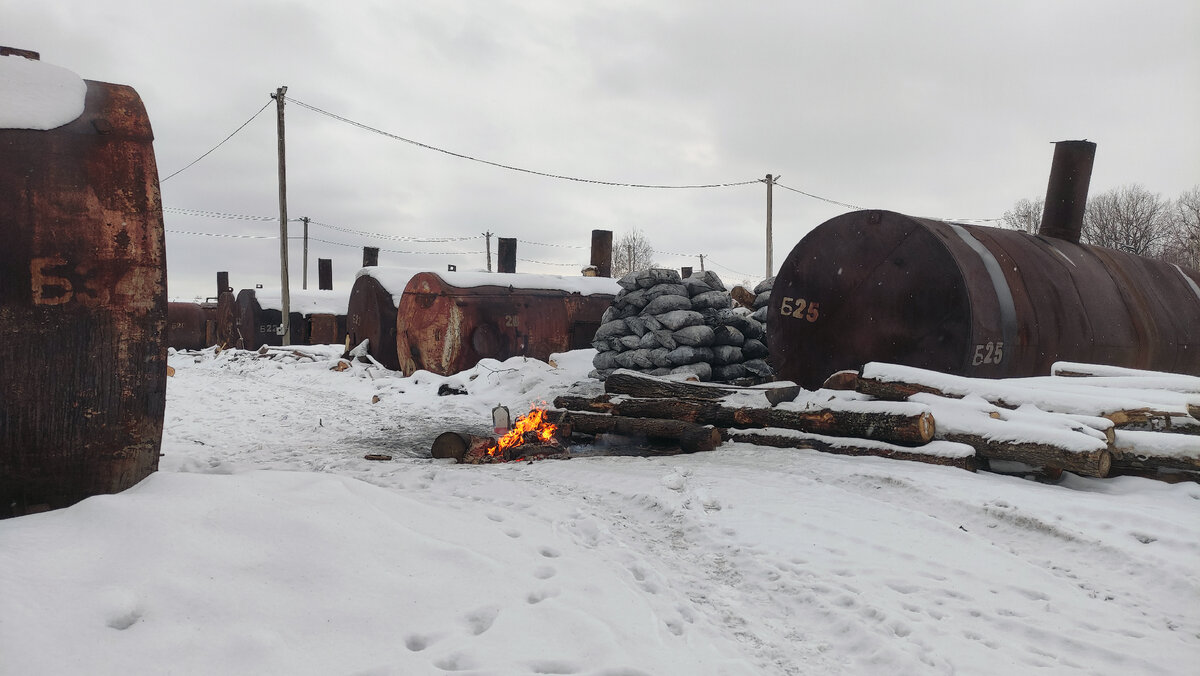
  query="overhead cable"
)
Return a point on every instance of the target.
[
  {"x": 510, "y": 167},
  {"x": 220, "y": 214},
  {"x": 235, "y": 131}
]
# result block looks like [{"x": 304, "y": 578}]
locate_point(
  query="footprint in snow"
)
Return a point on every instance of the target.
[{"x": 481, "y": 619}]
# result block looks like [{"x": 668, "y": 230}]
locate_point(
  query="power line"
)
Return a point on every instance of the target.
[
  {"x": 564, "y": 265},
  {"x": 235, "y": 131},
  {"x": 510, "y": 167},
  {"x": 560, "y": 246},
  {"x": 817, "y": 197},
  {"x": 219, "y": 234},
  {"x": 399, "y": 238},
  {"x": 218, "y": 214}
]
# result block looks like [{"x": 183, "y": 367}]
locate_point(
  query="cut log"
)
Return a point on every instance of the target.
[
  {"x": 1155, "y": 450},
  {"x": 1032, "y": 437},
  {"x": 636, "y": 384},
  {"x": 896, "y": 423},
  {"x": 842, "y": 380},
  {"x": 936, "y": 452},
  {"x": 1096, "y": 463},
  {"x": 691, "y": 436},
  {"x": 572, "y": 402},
  {"x": 455, "y": 445}
]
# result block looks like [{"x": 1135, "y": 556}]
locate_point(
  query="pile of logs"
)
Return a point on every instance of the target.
[
  {"x": 1085, "y": 419},
  {"x": 697, "y": 416}
]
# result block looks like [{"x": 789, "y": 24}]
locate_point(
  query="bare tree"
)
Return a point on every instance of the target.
[
  {"x": 632, "y": 252},
  {"x": 1183, "y": 241},
  {"x": 1129, "y": 218},
  {"x": 1026, "y": 215}
]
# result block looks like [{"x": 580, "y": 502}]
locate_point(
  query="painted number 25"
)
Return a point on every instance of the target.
[
  {"x": 989, "y": 353},
  {"x": 799, "y": 308}
]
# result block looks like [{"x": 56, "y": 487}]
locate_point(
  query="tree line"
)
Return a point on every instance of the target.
[{"x": 1133, "y": 219}]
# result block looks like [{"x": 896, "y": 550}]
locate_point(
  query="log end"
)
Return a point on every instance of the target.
[
  {"x": 450, "y": 445},
  {"x": 842, "y": 380}
]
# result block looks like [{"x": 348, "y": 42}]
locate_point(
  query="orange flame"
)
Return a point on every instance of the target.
[{"x": 534, "y": 421}]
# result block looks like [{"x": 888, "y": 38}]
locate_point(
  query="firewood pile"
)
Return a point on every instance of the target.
[
  {"x": 699, "y": 415},
  {"x": 1084, "y": 418},
  {"x": 661, "y": 324},
  {"x": 1090, "y": 420}
]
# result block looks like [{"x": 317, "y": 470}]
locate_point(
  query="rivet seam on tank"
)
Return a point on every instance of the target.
[
  {"x": 1189, "y": 280},
  {"x": 1008, "y": 309}
]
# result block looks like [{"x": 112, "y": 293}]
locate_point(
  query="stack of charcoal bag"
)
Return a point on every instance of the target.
[
  {"x": 762, "y": 297},
  {"x": 661, "y": 324}
]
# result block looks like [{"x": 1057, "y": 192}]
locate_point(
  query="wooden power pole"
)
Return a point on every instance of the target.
[
  {"x": 285, "y": 329},
  {"x": 770, "y": 181}
]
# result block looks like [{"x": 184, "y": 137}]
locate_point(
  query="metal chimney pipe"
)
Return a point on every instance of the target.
[
  {"x": 506, "y": 254},
  {"x": 1066, "y": 193},
  {"x": 602, "y": 252},
  {"x": 325, "y": 274}
]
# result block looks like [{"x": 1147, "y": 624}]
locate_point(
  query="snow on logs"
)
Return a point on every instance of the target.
[
  {"x": 769, "y": 415},
  {"x": 1090, "y": 422}
]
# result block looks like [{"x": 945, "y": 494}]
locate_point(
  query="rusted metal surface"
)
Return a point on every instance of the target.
[
  {"x": 260, "y": 326},
  {"x": 371, "y": 316},
  {"x": 83, "y": 305},
  {"x": 324, "y": 329},
  {"x": 229, "y": 328},
  {"x": 602, "y": 252},
  {"x": 973, "y": 300},
  {"x": 187, "y": 325},
  {"x": 445, "y": 329},
  {"x": 325, "y": 274},
  {"x": 506, "y": 254},
  {"x": 1067, "y": 190}
]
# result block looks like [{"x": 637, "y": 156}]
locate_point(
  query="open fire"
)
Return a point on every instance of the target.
[
  {"x": 531, "y": 437},
  {"x": 531, "y": 428}
]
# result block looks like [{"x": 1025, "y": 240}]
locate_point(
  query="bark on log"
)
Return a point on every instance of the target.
[
  {"x": 848, "y": 446},
  {"x": 572, "y": 402},
  {"x": 641, "y": 385},
  {"x": 691, "y": 437},
  {"x": 905, "y": 430},
  {"x": 1095, "y": 463},
  {"x": 880, "y": 425}
]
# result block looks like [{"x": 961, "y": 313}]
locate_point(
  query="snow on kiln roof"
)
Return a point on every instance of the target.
[
  {"x": 394, "y": 279},
  {"x": 587, "y": 286},
  {"x": 305, "y": 301},
  {"x": 37, "y": 95}
]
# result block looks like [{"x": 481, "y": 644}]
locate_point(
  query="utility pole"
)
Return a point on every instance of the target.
[
  {"x": 770, "y": 181},
  {"x": 305, "y": 281},
  {"x": 488, "y": 236},
  {"x": 285, "y": 328},
  {"x": 701, "y": 262}
]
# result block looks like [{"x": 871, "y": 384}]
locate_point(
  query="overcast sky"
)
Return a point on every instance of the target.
[{"x": 943, "y": 109}]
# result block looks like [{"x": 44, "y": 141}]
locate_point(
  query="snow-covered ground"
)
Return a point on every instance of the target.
[{"x": 267, "y": 544}]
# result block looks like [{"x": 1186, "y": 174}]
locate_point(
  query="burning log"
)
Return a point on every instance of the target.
[
  {"x": 897, "y": 423},
  {"x": 636, "y": 384},
  {"x": 935, "y": 452},
  {"x": 691, "y": 436}
]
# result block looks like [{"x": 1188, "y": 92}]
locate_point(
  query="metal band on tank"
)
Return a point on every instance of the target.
[
  {"x": 1190, "y": 281},
  {"x": 1008, "y": 309}
]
